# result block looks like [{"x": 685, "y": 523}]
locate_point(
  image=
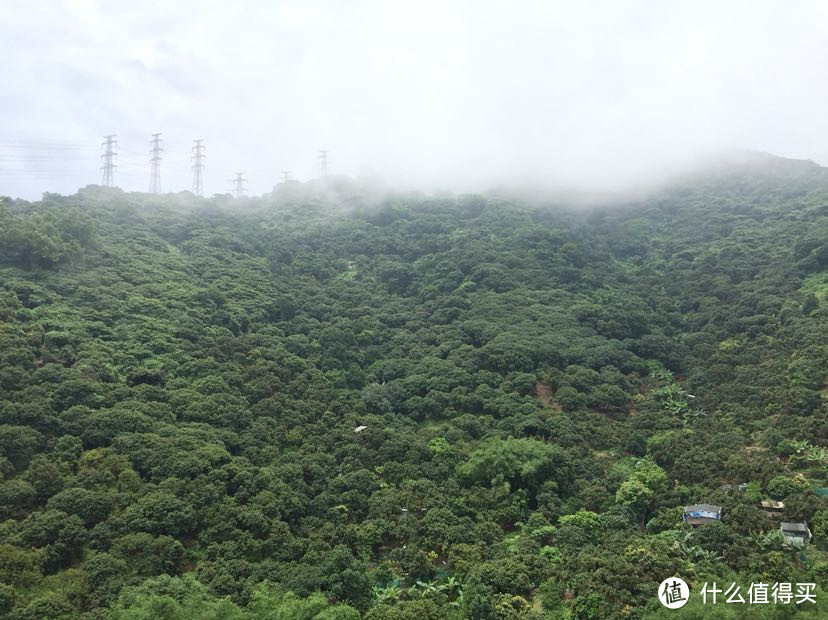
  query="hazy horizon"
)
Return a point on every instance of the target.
[{"x": 460, "y": 96}]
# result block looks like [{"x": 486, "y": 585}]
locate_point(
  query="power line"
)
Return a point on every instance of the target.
[
  {"x": 155, "y": 163},
  {"x": 198, "y": 166},
  {"x": 44, "y": 147},
  {"x": 239, "y": 185},
  {"x": 109, "y": 155},
  {"x": 323, "y": 163}
]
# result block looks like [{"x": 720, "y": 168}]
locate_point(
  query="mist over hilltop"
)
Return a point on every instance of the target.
[{"x": 431, "y": 96}]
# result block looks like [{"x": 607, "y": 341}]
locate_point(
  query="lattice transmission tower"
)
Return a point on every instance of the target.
[
  {"x": 239, "y": 185},
  {"x": 323, "y": 163},
  {"x": 109, "y": 156},
  {"x": 198, "y": 166},
  {"x": 155, "y": 163}
]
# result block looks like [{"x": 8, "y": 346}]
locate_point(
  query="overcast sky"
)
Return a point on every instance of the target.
[{"x": 448, "y": 94}]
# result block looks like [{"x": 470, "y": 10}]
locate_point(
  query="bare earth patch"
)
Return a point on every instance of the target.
[{"x": 546, "y": 396}]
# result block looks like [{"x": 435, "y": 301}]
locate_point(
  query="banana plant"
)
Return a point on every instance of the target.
[
  {"x": 389, "y": 593},
  {"x": 815, "y": 454},
  {"x": 800, "y": 446},
  {"x": 426, "y": 587},
  {"x": 695, "y": 554},
  {"x": 451, "y": 584}
]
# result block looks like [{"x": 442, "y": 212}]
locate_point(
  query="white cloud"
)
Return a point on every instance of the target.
[{"x": 452, "y": 94}]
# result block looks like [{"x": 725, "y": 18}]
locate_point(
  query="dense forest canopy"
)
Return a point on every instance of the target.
[{"x": 334, "y": 403}]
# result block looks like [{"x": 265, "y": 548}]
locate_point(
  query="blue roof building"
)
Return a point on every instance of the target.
[{"x": 699, "y": 514}]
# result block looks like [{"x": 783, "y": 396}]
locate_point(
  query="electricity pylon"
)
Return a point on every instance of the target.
[
  {"x": 198, "y": 166},
  {"x": 239, "y": 185},
  {"x": 323, "y": 163},
  {"x": 155, "y": 163},
  {"x": 109, "y": 165}
]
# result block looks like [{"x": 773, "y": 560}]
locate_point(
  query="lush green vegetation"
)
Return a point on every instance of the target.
[{"x": 543, "y": 390}]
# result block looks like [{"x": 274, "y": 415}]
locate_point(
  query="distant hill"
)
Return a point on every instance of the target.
[{"x": 338, "y": 401}]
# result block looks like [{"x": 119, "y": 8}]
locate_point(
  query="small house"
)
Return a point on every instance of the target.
[
  {"x": 699, "y": 514},
  {"x": 796, "y": 532},
  {"x": 773, "y": 509}
]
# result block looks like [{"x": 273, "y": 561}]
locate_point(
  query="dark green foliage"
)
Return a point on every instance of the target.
[
  {"x": 523, "y": 463},
  {"x": 149, "y": 555},
  {"x": 541, "y": 389}
]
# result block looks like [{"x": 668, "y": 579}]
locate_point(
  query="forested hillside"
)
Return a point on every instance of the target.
[{"x": 332, "y": 403}]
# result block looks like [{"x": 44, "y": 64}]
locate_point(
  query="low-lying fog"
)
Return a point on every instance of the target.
[{"x": 460, "y": 95}]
